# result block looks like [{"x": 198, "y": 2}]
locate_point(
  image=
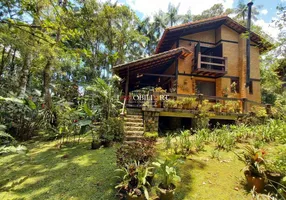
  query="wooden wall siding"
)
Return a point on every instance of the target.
[
  {"x": 185, "y": 85},
  {"x": 256, "y": 96},
  {"x": 217, "y": 34},
  {"x": 219, "y": 87},
  {"x": 228, "y": 34},
  {"x": 185, "y": 65},
  {"x": 206, "y": 36},
  {"x": 254, "y": 63},
  {"x": 230, "y": 50}
]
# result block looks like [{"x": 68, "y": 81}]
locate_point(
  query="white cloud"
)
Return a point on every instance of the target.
[
  {"x": 268, "y": 28},
  {"x": 149, "y": 7},
  {"x": 264, "y": 12}
]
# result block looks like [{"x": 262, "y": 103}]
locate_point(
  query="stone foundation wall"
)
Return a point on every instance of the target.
[{"x": 151, "y": 121}]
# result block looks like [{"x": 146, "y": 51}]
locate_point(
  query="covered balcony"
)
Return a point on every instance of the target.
[{"x": 209, "y": 61}]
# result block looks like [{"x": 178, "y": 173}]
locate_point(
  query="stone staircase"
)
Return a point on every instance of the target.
[{"x": 133, "y": 125}]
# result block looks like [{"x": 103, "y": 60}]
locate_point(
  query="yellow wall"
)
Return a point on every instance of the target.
[
  {"x": 229, "y": 34},
  {"x": 254, "y": 63},
  {"x": 185, "y": 85},
  {"x": 218, "y": 34},
  {"x": 230, "y": 50},
  {"x": 206, "y": 36},
  {"x": 256, "y": 96}
]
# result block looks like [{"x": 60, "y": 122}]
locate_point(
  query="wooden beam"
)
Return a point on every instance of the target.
[
  {"x": 216, "y": 64},
  {"x": 160, "y": 75},
  {"x": 215, "y": 57},
  {"x": 127, "y": 83}
]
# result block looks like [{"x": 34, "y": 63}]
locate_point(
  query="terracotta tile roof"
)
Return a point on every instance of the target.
[
  {"x": 171, "y": 34},
  {"x": 155, "y": 57}
]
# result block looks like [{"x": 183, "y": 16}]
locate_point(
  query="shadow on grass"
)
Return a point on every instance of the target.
[
  {"x": 185, "y": 169},
  {"x": 51, "y": 173}
]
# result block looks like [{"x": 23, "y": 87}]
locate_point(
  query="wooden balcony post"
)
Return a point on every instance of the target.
[
  {"x": 268, "y": 109},
  {"x": 200, "y": 97},
  {"x": 225, "y": 64},
  {"x": 199, "y": 60},
  {"x": 244, "y": 106},
  {"x": 126, "y": 92}
]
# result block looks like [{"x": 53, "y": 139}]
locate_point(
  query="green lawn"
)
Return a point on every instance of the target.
[
  {"x": 51, "y": 173},
  {"x": 76, "y": 172}
]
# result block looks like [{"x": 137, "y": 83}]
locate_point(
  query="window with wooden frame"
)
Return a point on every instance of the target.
[
  {"x": 234, "y": 85},
  {"x": 251, "y": 87}
]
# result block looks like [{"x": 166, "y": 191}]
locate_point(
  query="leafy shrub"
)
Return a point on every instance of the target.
[
  {"x": 134, "y": 180},
  {"x": 204, "y": 133},
  {"x": 151, "y": 135},
  {"x": 168, "y": 141},
  {"x": 166, "y": 173},
  {"x": 202, "y": 118},
  {"x": 5, "y": 138},
  {"x": 111, "y": 129},
  {"x": 141, "y": 151},
  {"x": 224, "y": 139},
  {"x": 278, "y": 163},
  {"x": 185, "y": 142},
  {"x": 21, "y": 117},
  {"x": 199, "y": 142},
  {"x": 259, "y": 111}
]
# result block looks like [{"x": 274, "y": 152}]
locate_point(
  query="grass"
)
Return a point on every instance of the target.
[
  {"x": 46, "y": 172},
  {"x": 204, "y": 176},
  {"x": 76, "y": 172}
]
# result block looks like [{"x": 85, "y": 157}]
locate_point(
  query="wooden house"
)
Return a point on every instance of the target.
[{"x": 203, "y": 59}]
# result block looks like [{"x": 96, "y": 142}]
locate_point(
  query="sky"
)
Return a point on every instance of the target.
[{"x": 148, "y": 7}]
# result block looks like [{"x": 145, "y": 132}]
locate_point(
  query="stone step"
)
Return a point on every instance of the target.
[
  {"x": 134, "y": 111},
  {"x": 134, "y": 128},
  {"x": 133, "y": 138},
  {"x": 133, "y": 120},
  {"x": 133, "y": 135},
  {"x": 133, "y": 124},
  {"x": 133, "y": 116},
  {"x": 127, "y": 142},
  {"x": 134, "y": 132}
]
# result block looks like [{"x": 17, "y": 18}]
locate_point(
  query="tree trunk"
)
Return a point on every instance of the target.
[
  {"x": 24, "y": 75},
  {"x": 2, "y": 61},
  {"x": 12, "y": 67},
  {"x": 47, "y": 81}
]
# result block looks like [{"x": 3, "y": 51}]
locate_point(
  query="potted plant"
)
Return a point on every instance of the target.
[
  {"x": 134, "y": 181},
  {"x": 254, "y": 170},
  {"x": 179, "y": 104},
  {"x": 185, "y": 103},
  {"x": 170, "y": 103},
  {"x": 157, "y": 98},
  {"x": 168, "y": 176},
  {"x": 217, "y": 107},
  {"x": 95, "y": 143}
]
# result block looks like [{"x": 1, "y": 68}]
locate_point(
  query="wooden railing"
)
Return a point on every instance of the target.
[
  {"x": 214, "y": 63},
  {"x": 244, "y": 105}
]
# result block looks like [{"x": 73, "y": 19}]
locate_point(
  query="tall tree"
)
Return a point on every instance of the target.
[
  {"x": 241, "y": 12},
  {"x": 215, "y": 10},
  {"x": 188, "y": 17},
  {"x": 172, "y": 16}
]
